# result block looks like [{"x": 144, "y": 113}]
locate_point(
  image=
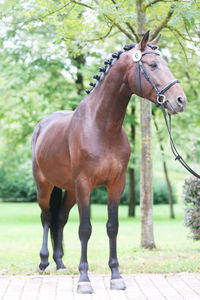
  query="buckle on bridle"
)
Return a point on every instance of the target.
[{"x": 161, "y": 99}]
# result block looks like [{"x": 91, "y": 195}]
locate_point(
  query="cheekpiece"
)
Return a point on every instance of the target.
[{"x": 137, "y": 54}]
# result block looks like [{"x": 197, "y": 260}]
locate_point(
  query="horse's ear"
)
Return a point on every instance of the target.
[
  {"x": 156, "y": 40},
  {"x": 143, "y": 43}
]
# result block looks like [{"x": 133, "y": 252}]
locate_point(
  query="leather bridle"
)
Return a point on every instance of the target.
[
  {"x": 160, "y": 100},
  {"x": 160, "y": 97}
]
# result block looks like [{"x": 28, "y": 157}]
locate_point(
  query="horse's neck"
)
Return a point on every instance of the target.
[{"x": 110, "y": 99}]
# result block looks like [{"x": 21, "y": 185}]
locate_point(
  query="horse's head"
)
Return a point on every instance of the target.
[{"x": 150, "y": 77}]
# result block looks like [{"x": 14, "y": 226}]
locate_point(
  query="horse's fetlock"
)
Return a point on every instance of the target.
[
  {"x": 113, "y": 263},
  {"x": 83, "y": 267},
  {"x": 44, "y": 255},
  {"x": 58, "y": 254}
]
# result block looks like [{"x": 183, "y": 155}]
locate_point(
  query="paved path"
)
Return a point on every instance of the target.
[{"x": 139, "y": 287}]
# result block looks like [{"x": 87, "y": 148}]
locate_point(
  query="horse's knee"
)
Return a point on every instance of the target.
[
  {"x": 85, "y": 230},
  {"x": 112, "y": 224}
]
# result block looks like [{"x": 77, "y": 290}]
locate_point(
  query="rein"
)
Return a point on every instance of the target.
[
  {"x": 173, "y": 147},
  {"x": 161, "y": 99}
]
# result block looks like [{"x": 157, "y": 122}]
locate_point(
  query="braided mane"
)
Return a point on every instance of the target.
[{"x": 110, "y": 62}]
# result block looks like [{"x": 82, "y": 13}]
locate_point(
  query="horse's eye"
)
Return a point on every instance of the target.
[{"x": 153, "y": 65}]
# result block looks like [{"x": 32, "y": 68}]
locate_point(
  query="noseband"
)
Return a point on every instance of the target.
[{"x": 160, "y": 100}]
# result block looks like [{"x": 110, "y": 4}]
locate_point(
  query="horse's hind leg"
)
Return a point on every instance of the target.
[
  {"x": 44, "y": 253},
  {"x": 58, "y": 223},
  {"x": 114, "y": 195},
  {"x": 43, "y": 198}
]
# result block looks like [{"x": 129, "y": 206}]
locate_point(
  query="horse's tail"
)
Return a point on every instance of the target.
[{"x": 55, "y": 206}]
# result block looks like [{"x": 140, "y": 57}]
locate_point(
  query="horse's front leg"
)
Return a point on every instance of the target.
[
  {"x": 85, "y": 229},
  {"x": 114, "y": 195}
]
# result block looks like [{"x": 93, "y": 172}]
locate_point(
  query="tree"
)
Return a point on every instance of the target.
[{"x": 146, "y": 188}]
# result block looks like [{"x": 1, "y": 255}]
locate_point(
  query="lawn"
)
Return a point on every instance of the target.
[{"x": 21, "y": 234}]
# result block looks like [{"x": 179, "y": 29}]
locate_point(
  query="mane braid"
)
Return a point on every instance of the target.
[
  {"x": 108, "y": 64},
  {"x": 153, "y": 47}
]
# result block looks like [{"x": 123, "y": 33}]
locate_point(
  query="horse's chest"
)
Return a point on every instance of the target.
[
  {"x": 107, "y": 169},
  {"x": 101, "y": 161}
]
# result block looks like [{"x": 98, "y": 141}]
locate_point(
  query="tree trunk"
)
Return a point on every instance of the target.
[
  {"x": 146, "y": 190},
  {"x": 132, "y": 199},
  {"x": 79, "y": 62},
  {"x": 169, "y": 188},
  {"x": 131, "y": 210}
]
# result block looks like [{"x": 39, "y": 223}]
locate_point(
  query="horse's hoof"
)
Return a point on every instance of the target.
[
  {"x": 43, "y": 271},
  {"x": 84, "y": 288},
  {"x": 62, "y": 271},
  {"x": 117, "y": 284}
]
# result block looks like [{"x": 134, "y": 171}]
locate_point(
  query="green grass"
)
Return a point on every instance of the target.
[{"x": 21, "y": 235}]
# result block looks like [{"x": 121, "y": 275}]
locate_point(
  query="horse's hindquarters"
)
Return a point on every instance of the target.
[{"x": 51, "y": 152}]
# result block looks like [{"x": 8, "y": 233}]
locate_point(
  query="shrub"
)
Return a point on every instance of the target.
[
  {"x": 18, "y": 186},
  {"x": 99, "y": 195},
  {"x": 191, "y": 191},
  {"x": 160, "y": 193}
]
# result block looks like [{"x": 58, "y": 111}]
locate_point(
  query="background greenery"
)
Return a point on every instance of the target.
[{"x": 160, "y": 194}]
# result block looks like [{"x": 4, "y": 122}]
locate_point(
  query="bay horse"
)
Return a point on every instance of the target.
[{"x": 78, "y": 150}]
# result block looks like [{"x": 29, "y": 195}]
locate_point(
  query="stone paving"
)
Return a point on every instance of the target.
[{"x": 139, "y": 287}]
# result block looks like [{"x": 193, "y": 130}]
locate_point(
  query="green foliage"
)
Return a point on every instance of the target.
[
  {"x": 16, "y": 178},
  {"x": 160, "y": 193},
  {"x": 192, "y": 206},
  {"x": 19, "y": 187}
]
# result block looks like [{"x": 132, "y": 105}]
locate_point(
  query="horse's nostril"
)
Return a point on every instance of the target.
[{"x": 180, "y": 100}]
